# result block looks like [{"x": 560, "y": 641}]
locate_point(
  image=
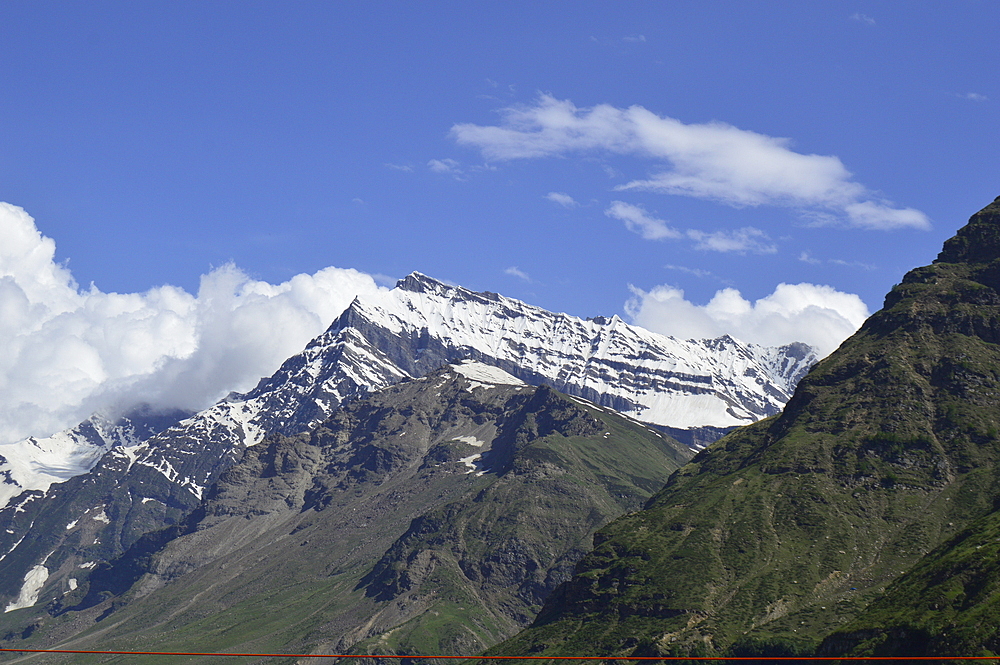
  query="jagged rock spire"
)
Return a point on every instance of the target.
[{"x": 976, "y": 242}]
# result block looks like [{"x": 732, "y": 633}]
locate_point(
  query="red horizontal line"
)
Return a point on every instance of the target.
[{"x": 363, "y": 655}]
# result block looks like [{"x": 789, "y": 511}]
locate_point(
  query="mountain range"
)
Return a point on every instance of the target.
[
  {"x": 695, "y": 389},
  {"x": 114, "y": 495},
  {"x": 446, "y": 472}
]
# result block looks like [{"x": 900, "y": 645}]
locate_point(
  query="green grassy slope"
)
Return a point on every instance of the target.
[
  {"x": 784, "y": 531},
  {"x": 948, "y": 604}
]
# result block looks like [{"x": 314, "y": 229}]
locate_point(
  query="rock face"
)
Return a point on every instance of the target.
[
  {"x": 433, "y": 515},
  {"x": 787, "y": 530},
  {"x": 421, "y": 325}
]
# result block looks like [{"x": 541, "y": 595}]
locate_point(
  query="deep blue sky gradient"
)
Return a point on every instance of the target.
[{"x": 154, "y": 140}]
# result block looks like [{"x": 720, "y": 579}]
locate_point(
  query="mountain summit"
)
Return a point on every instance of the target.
[
  {"x": 694, "y": 389},
  {"x": 784, "y": 531},
  {"x": 976, "y": 242}
]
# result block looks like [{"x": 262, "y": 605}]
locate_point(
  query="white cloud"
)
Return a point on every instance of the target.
[
  {"x": 974, "y": 96},
  {"x": 639, "y": 221},
  {"x": 69, "y": 352},
  {"x": 872, "y": 215},
  {"x": 697, "y": 272},
  {"x": 445, "y": 166},
  {"x": 709, "y": 160},
  {"x": 817, "y": 315},
  {"x": 747, "y": 239},
  {"x": 863, "y": 18},
  {"x": 563, "y": 199},
  {"x": 516, "y": 272},
  {"x": 806, "y": 257}
]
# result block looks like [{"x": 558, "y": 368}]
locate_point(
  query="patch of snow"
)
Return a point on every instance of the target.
[
  {"x": 471, "y": 440},
  {"x": 72, "y": 583},
  {"x": 19, "y": 508},
  {"x": 71, "y": 525},
  {"x": 102, "y": 517},
  {"x": 89, "y": 564},
  {"x": 470, "y": 462},
  {"x": 481, "y": 374},
  {"x": 580, "y": 400},
  {"x": 15, "y": 545},
  {"x": 33, "y": 581}
]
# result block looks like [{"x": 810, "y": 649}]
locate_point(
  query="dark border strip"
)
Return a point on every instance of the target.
[{"x": 612, "y": 658}]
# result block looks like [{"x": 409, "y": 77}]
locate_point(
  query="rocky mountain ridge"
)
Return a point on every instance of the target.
[
  {"x": 694, "y": 389},
  {"x": 48, "y": 532},
  {"x": 435, "y": 514}
]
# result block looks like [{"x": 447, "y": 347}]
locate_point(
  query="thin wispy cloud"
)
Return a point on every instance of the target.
[
  {"x": 563, "y": 199},
  {"x": 807, "y": 257},
  {"x": 974, "y": 97},
  {"x": 514, "y": 271},
  {"x": 400, "y": 167},
  {"x": 862, "y": 18},
  {"x": 638, "y": 220},
  {"x": 697, "y": 272},
  {"x": 634, "y": 38},
  {"x": 714, "y": 160},
  {"x": 446, "y": 165},
  {"x": 746, "y": 239}
]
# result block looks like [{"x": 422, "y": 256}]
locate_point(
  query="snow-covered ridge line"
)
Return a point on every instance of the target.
[{"x": 423, "y": 324}]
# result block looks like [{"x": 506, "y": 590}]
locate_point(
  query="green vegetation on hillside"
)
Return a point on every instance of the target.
[{"x": 788, "y": 529}]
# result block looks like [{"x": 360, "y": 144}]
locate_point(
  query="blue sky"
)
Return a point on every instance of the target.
[{"x": 575, "y": 155}]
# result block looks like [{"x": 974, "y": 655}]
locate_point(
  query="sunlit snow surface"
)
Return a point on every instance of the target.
[
  {"x": 36, "y": 463},
  {"x": 653, "y": 378},
  {"x": 33, "y": 582},
  {"x": 482, "y": 375}
]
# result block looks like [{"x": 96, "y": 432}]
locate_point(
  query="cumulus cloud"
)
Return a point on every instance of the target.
[
  {"x": 712, "y": 160},
  {"x": 69, "y": 352},
  {"x": 563, "y": 199},
  {"x": 817, "y": 315}
]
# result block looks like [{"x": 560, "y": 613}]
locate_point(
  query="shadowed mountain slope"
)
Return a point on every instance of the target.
[
  {"x": 130, "y": 485},
  {"x": 787, "y": 529},
  {"x": 431, "y": 516}
]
